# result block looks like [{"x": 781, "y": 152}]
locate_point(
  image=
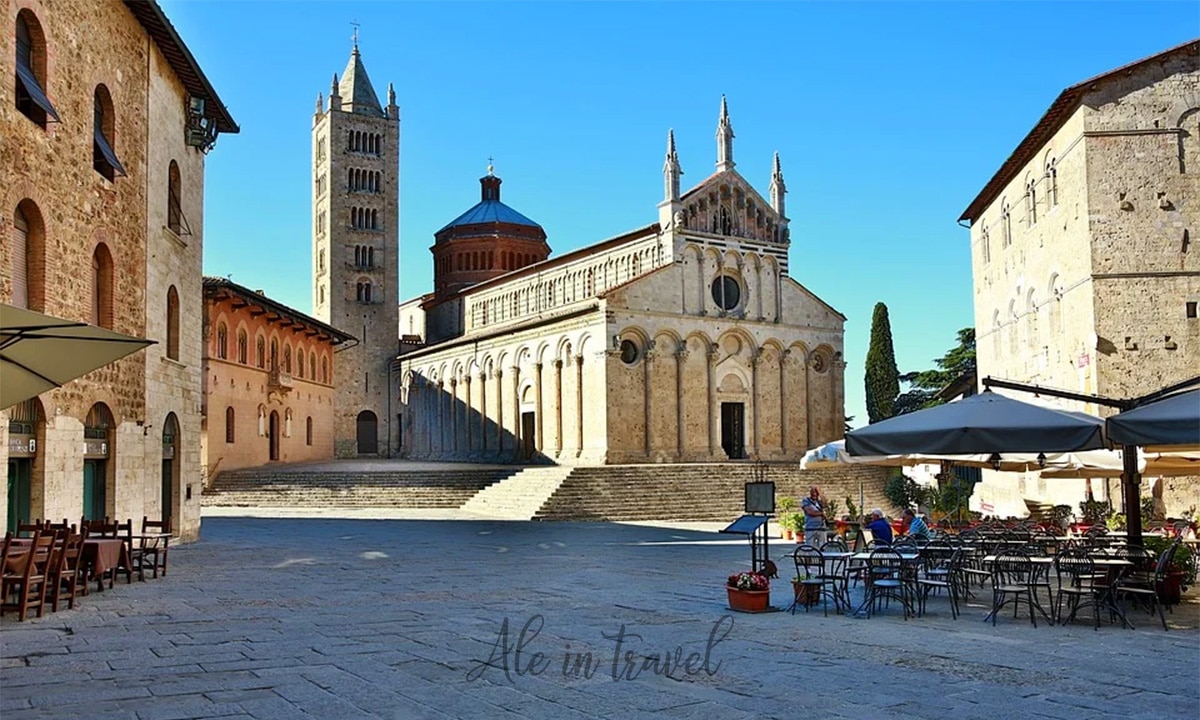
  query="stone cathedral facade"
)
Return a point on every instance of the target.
[
  {"x": 684, "y": 340},
  {"x": 356, "y": 186}
]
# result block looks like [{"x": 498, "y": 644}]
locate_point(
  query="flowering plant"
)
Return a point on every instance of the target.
[{"x": 749, "y": 581}]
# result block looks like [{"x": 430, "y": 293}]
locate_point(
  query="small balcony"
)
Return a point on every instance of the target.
[{"x": 279, "y": 380}]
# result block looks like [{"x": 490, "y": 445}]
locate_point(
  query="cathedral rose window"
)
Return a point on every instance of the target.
[{"x": 726, "y": 292}]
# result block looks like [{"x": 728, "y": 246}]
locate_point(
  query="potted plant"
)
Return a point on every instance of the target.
[
  {"x": 1060, "y": 516},
  {"x": 786, "y": 507},
  {"x": 748, "y": 592},
  {"x": 1180, "y": 574}
]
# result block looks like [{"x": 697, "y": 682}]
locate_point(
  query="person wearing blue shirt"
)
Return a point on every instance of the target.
[
  {"x": 915, "y": 526},
  {"x": 880, "y": 528},
  {"x": 814, "y": 518}
]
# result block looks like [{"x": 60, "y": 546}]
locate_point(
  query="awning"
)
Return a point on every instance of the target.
[
  {"x": 30, "y": 85},
  {"x": 106, "y": 150},
  {"x": 1173, "y": 421}
]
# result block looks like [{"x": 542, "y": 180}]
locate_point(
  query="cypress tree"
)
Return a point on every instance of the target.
[{"x": 882, "y": 377}]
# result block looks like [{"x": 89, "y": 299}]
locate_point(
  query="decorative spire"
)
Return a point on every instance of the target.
[
  {"x": 391, "y": 95},
  {"x": 320, "y": 103},
  {"x": 491, "y": 166},
  {"x": 356, "y": 90},
  {"x": 490, "y": 184},
  {"x": 778, "y": 188},
  {"x": 724, "y": 140},
  {"x": 671, "y": 170},
  {"x": 333, "y": 86}
]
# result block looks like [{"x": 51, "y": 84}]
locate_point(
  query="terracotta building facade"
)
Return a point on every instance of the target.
[
  {"x": 268, "y": 381},
  {"x": 685, "y": 340},
  {"x": 106, "y": 119}
]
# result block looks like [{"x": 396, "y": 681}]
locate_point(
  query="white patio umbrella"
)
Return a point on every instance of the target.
[{"x": 39, "y": 352}]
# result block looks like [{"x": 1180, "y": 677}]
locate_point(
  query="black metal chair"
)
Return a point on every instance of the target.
[
  {"x": 1142, "y": 581},
  {"x": 941, "y": 572},
  {"x": 885, "y": 580},
  {"x": 1077, "y": 585},
  {"x": 1012, "y": 582},
  {"x": 812, "y": 581}
]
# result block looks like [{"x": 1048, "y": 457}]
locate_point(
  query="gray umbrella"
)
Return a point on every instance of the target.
[
  {"x": 1172, "y": 421},
  {"x": 39, "y": 352},
  {"x": 983, "y": 423}
]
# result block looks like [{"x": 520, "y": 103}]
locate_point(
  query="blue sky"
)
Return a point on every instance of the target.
[{"x": 888, "y": 117}]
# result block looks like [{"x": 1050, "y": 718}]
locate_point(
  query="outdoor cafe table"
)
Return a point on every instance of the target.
[
  {"x": 1113, "y": 566},
  {"x": 101, "y": 555}
]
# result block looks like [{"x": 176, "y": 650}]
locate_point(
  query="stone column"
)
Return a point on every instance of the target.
[
  {"x": 808, "y": 428},
  {"x": 483, "y": 416},
  {"x": 441, "y": 416},
  {"x": 516, "y": 395},
  {"x": 558, "y": 401},
  {"x": 758, "y": 276},
  {"x": 453, "y": 415},
  {"x": 499, "y": 375},
  {"x": 647, "y": 359},
  {"x": 470, "y": 436},
  {"x": 681, "y": 355},
  {"x": 579, "y": 404},
  {"x": 537, "y": 392},
  {"x": 755, "y": 361},
  {"x": 783, "y": 404},
  {"x": 713, "y": 440}
]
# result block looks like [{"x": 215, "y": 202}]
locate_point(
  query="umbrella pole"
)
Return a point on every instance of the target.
[{"x": 1131, "y": 481}]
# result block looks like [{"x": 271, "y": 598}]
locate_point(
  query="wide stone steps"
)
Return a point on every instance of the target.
[
  {"x": 518, "y": 497},
  {"x": 441, "y": 489}
]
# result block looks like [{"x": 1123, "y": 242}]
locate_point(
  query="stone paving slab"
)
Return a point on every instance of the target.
[{"x": 326, "y": 618}]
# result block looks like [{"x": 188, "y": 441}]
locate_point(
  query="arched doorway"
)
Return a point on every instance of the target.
[
  {"x": 97, "y": 446},
  {"x": 170, "y": 469},
  {"x": 273, "y": 435},
  {"x": 24, "y": 420},
  {"x": 368, "y": 433}
]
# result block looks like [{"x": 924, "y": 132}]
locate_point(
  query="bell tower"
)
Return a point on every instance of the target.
[{"x": 356, "y": 201}]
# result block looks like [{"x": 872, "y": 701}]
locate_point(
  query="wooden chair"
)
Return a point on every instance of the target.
[
  {"x": 28, "y": 529},
  {"x": 25, "y": 580},
  {"x": 155, "y": 549},
  {"x": 63, "y": 578}
]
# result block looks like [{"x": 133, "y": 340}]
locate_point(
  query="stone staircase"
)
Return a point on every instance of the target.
[
  {"x": 713, "y": 492},
  {"x": 267, "y": 487},
  {"x": 520, "y": 496}
]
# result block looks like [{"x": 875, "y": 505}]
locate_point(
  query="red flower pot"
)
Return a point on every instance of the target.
[{"x": 751, "y": 601}]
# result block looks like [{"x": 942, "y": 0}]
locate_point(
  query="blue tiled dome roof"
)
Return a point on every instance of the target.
[{"x": 490, "y": 211}]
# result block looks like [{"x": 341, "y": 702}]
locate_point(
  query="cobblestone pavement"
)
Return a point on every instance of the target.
[{"x": 343, "y": 619}]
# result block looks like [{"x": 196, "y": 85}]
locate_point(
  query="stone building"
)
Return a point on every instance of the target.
[
  {"x": 356, "y": 185},
  {"x": 1085, "y": 276},
  {"x": 106, "y": 118},
  {"x": 268, "y": 380},
  {"x": 683, "y": 340}
]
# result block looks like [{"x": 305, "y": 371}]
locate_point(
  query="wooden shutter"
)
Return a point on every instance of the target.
[{"x": 20, "y": 263}]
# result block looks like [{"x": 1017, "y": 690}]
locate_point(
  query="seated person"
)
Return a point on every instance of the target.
[
  {"x": 914, "y": 526},
  {"x": 880, "y": 528}
]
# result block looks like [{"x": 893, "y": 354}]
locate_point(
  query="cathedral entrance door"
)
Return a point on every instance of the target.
[
  {"x": 528, "y": 428},
  {"x": 733, "y": 430}
]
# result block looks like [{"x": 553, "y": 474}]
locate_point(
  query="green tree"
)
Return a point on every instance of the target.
[
  {"x": 924, "y": 385},
  {"x": 882, "y": 377}
]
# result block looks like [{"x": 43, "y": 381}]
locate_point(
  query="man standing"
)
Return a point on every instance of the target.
[{"x": 814, "y": 518}]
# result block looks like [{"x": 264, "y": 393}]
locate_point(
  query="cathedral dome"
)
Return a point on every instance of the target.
[{"x": 485, "y": 242}]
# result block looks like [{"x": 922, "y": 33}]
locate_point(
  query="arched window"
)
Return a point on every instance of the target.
[
  {"x": 1031, "y": 202},
  {"x": 274, "y": 354},
  {"x": 32, "y": 101},
  {"x": 985, "y": 243},
  {"x": 175, "y": 221},
  {"x": 102, "y": 287},
  {"x": 1006, "y": 224},
  {"x": 300, "y": 362},
  {"x": 325, "y": 369},
  {"x": 229, "y": 425},
  {"x": 261, "y": 352},
  {"x": 1052, "y": 182},
  {"x": 222, "y": 341},
  {"x": 28, "y": 257},
  {"x": 104, "y": 157},
  {"x": 308, "y": 430},
  {"x": 312, "y": 366},
  {"x": 172, "y": 323},
  {"x": 241, "y": 348},
  {"x": 287, "y": 359}
]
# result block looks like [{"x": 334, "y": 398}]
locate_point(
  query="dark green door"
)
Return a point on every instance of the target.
[
  {"x": 19, "y": 472},
  {"x": 167, "y": 484},
  {"x": 93, "y": 489}
]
